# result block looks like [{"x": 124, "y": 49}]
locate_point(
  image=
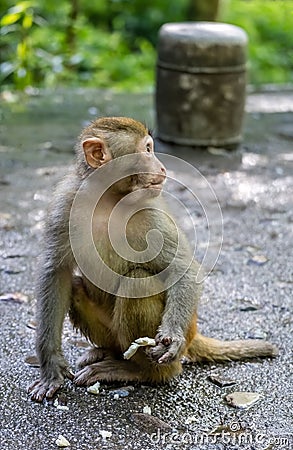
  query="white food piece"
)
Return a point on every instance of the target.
[
  {"x": 105, "y": 434},
  {"x": 62, "y": 441},
  {"x": 131, "y": 351},
  {"x": 190, "y": 420},
  {"x": 140, "y": 342},
  {"x": 145, "y": 341},
  {"x": 62, "y": 407},
  {"x": 116, "y": 396},
  {"x": 147, "y": 410},
  {"x": 94, "y": 389}
]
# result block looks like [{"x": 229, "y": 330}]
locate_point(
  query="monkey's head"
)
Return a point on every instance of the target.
[{"x": 110, "y": 138}]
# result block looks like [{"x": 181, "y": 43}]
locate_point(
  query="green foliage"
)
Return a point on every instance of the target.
[
  {"x": 269, "y": 25},
  {"x": 18, "y": 22},
  {"x": 111, "y": 43}
]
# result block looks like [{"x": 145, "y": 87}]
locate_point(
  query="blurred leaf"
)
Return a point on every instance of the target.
[
  {"x": 7, "y": 29},
  {"x": 21, "y": 7},
  {"x": 6, "y": 69},
  {"x": 27, "y": 21},
  {"x": 9, "y": 19},
  {"x": 22, "y": 50}
]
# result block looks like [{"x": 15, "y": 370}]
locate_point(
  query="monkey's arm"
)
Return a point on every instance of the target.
[
  {"x": 53, "y": 293},
  {"x": 53, "y": 304},
  {"x": 181, "y": 304}
]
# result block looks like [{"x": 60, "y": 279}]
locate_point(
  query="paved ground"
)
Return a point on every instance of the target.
[{"x": 249, "y": 294}]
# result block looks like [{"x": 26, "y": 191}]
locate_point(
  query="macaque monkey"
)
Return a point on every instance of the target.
[{"x": 112, "y": 319}]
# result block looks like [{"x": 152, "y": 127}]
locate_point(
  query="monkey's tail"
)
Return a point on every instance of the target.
[{"x": 206, "y": 349}]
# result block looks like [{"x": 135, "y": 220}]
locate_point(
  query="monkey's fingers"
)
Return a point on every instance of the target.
[
  {"x": 160, "y": 354},
  {"x": 164, "y": 353},
  {"x": 43, "y": 389},
  {"x": 160, "y": 338},
  {"x": 167, "y": 358},
  {"x": 68, "y": 374},
  {"x": 87, "y": 376}
]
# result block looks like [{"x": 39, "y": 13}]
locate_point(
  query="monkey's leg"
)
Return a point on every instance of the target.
[
  {"x": 91, "y": 356},
  {"x": 94, "y": 355},
  {"x": 93, "y": 321},
  {"x": 133, "y": 318},
  {"x": 110, "y": 369},
  {"x": 104, "y": 361}
]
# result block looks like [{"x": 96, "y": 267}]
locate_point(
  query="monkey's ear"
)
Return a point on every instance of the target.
[{"x": 96, "y": 152}]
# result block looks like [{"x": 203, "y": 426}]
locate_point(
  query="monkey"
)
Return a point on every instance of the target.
[{"x": 147, "y": 297}]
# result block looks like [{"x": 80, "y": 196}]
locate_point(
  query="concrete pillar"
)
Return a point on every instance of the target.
[{"x": 201, "y": 83}]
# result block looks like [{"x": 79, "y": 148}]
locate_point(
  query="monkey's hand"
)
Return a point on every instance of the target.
[
  {"x": 168, "y": 346},
  {"x": 50, "y": 382}
]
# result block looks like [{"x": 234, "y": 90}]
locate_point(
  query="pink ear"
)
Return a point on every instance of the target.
[{"x": 95, "y": 152}]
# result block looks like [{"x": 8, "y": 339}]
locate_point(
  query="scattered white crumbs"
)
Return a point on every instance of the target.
[
  {"x": 62, "y": 441},
  {"x": 105, "y": 434},
  {"x": 62, "y": 407},
  {"x": 94, "y": 389},
  {"x": 147, "y": 410}
]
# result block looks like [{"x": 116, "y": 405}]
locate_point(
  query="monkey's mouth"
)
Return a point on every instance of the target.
[
  {"x": 154, "y": 186},
  {"x": 157, "y": 186}
]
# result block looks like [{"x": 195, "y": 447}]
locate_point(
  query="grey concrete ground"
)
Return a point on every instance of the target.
[{"x": 249, "y": 293}]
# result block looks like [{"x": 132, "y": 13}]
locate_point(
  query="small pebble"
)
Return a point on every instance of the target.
[
  {"x": 13, "y": 271},
  {"x": 148, "y": 423},
  {"x": 32, "y": 324},
  {"x": 221, "y": 381},
  {"x": 32, "y": 361},
  {"x": 15, "y": 297},
  {"x": 248, "y": 308},
  {"x": 122, "y": 392},
  {"x": 247, "y": 305},
  {"x": 256, "y": 334},
  {"x": 242, "y": 399},
  {"x": 258, "y": 260}
]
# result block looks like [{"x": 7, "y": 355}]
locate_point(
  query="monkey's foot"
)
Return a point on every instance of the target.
[
  {"x": 92, "y": 356},
  {"x": 108, "y": 370},
  {"x": 41, "y": 389},
  {"x": 45, "y": 388}
]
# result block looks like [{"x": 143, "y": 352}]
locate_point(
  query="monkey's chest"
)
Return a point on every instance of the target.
[{"x": 122, "y": 246}]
